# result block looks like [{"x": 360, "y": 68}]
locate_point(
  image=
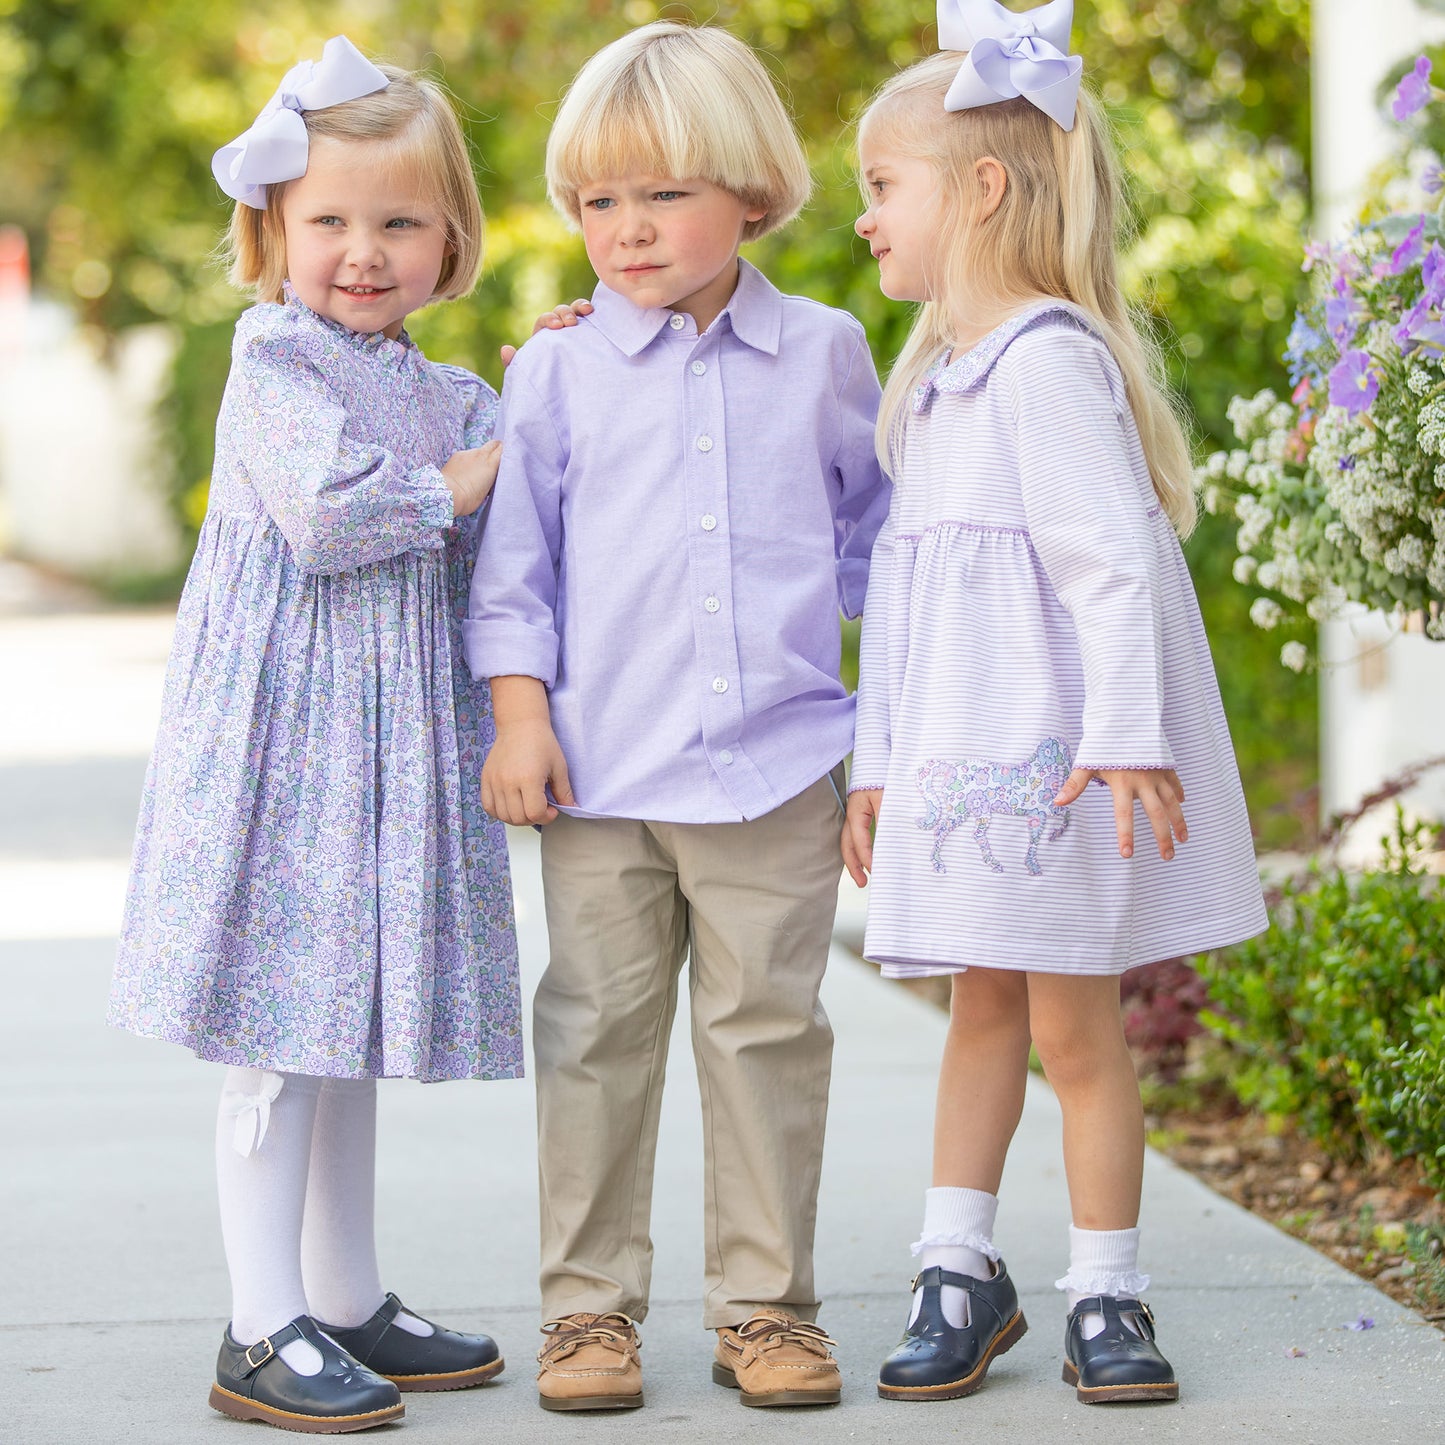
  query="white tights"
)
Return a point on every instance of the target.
[{"x": 296, "y": 1171}]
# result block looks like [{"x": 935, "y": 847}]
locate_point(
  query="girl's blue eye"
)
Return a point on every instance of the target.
[{"x": 400, "y": 222}]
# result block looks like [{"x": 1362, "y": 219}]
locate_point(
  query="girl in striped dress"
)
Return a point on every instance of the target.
[{"x": 1030, "y": 627}]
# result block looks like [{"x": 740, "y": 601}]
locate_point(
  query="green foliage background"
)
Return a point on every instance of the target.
[{"x": 110, "y": 109}]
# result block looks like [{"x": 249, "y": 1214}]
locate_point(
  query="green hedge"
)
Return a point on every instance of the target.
[{"x": 1337, "y": 1014}]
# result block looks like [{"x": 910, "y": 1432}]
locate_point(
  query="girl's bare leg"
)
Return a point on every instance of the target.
[
  {"x": 981, "y": 1079},
  {"x": 1078, "y": 1031}
]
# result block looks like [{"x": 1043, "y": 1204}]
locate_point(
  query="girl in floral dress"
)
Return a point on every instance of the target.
[
  {"x": 1029, "y": 626},
  {"x": 316, "y": 899}
]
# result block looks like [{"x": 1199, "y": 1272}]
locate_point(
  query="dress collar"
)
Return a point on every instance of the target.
[
  {"x": 377, "y": 342},
  {"x": 966, "y": 371},
  {"x": 754, "y": 312}
]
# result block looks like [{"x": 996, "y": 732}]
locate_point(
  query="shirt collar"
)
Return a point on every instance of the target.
[{"x": 754, "y": 312}]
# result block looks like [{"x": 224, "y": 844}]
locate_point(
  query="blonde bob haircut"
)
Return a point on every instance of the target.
[
  {"x": 690, "y": 102},
  {"x": 411, "y": 126},
  {"x": 1055, "y": 233}
]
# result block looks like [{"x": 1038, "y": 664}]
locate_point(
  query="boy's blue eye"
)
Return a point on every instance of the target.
[
  {"x": 602, "y": 203},
  {"x": 668, "y": 195}
]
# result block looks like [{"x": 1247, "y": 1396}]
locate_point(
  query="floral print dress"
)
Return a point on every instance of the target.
[{"x": 315, "y": 888}]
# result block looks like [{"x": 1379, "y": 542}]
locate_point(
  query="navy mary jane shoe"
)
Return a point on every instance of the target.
[
  {"x": 1117, "y": 1364},
  {"x": 254, "y": 1383},
  {"x": 443, "y": 1360},
  {"x": 935, "y": 1361}
]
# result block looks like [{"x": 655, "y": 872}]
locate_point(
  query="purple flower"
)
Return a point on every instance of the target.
[
  {"x": 1340, "y": 315},
  {"x": 1405, "y": 331},
  {"x": 1431, "y": 334},
  {"x": 1413, "y": 91},
  {"x": 1432, "y": 273},
  {"x": 1364, "y": 1322},
  {"x": 1433, "y": 180},
  {"x": 1407, "y": 252},
  {"x": 1354, "y": 383}
]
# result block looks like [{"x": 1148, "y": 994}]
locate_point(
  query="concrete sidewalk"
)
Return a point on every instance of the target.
[{"x": 114, "y": 1289}]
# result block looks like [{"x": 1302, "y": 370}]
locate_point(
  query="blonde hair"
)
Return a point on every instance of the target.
[
  {"x": 682, "y": 101},
  {"x": 1054, "y": 234},
  {"x": 411, "y": 124}
]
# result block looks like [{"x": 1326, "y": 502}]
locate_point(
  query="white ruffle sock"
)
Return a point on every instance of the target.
[
  {"x": 263, "y": 1154},
  {"x": 1102, "y": 1262},
  {"x": 338, "y": 1237},
  {"x": 957, "y": 1236}
]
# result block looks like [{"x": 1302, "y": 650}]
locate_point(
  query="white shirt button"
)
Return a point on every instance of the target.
[
  {"x": 725, "y": 757},
  {"x": 708, "y": 521},
  {"x": 719, "y": 684},
  {"x": 677, "y": 322},
  {"x": 699, "y": 367},
  {"x": 704, "y": 444},
  {"x": 711, "y": 603}
]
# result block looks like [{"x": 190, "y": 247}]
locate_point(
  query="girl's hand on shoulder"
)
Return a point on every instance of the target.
[
  {"x": 1160, "y": 791},
  {"x": 470, "y": 476},
  {"x": 858, "y": 826},
  {"x": 554, "y": 320}
]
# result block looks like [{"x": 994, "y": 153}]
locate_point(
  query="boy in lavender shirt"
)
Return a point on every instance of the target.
[{"x": 688, "y": 495}]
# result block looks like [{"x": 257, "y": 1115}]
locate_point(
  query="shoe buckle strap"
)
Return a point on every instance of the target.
[{"x": 254, "y": 1365}]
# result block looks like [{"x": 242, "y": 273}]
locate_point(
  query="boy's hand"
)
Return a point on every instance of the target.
[
  {"x": 553, "y": 320},
  {"x": 1160, "y": 791},
  {"x": 470, "y": 476},
  {"x": 526, "y": 756},
  {"x": 522, "y": 763},
  {"x": 858, "y": 828}
]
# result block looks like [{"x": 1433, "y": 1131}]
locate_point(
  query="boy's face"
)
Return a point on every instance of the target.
[{"x": 664, "y": 242}]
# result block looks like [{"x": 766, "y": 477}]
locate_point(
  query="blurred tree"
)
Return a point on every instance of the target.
[{"x": 110, "y": 109}]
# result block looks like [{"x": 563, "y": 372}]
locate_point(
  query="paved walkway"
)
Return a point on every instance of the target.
[{"x": 113, "y": 1288}]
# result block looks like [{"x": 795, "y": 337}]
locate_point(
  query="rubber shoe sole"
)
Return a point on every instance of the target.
[
  {"x": 590, "y": 1402},
  {"x": 1118, "y": 1394},
  {"x": 456, "y": 1380},
  {"x": 1005, "y": 1340},
  {"x": 240, "y": 1408},
  {"x": 721, "y": 1375}
]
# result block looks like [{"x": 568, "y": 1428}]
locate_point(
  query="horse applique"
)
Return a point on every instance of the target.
[{"x": 975, "y": 790}]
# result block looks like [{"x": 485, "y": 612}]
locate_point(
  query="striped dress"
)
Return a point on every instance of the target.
[{"x": 1029, "y": 611}]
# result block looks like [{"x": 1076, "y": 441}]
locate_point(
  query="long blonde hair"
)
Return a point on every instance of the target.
[
  {"x": 410, "y": 124},
  {"x": 1053, "y": 235}
]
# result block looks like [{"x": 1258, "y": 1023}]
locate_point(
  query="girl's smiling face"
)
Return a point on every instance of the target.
[
  {"x": 901, "y": 222},
  {"x": 364, "y": 245}
]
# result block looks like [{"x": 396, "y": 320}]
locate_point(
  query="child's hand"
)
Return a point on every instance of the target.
[
  {"x": 470, "y": 475},
  {"x": 553, "y": 320},
  {"x": 858, "y": 827},
  {"x": 523, "y": 761},
  {"x": 1160, "y": 791}
]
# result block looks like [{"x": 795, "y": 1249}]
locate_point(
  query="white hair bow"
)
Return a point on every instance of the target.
[
  {"x": 1011, "y": 54},
  {"x": 275, "y": 148}
]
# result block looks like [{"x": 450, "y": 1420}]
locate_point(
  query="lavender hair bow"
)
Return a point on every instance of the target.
[
  {"x": 275, "y": 148},
  {"x": 1011, "y": 54}
]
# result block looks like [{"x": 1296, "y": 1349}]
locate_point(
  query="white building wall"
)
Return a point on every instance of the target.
[{"x": 1382, "y": 695}]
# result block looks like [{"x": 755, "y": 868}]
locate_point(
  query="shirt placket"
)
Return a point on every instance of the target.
[{"x": 710, "y": 572}]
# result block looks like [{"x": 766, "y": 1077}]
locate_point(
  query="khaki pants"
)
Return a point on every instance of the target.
[{"x": 751, "y": 905}]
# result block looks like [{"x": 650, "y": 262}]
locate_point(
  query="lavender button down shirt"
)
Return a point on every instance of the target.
[{"x": 678, "y": 521}]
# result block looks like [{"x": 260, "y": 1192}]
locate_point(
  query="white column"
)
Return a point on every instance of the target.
[{"x": 1382, "y": 701}]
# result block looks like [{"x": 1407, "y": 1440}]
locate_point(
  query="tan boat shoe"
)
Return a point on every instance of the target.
[
  {"x": 590, "y": 1362},
  {"x": 774, "y": 1359}
]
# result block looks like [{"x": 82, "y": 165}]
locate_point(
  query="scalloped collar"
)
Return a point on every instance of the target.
[{"x": 965, "y": 372}]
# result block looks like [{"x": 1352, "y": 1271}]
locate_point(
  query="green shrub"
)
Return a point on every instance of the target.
[{"x": 1337, "y": 1014}]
